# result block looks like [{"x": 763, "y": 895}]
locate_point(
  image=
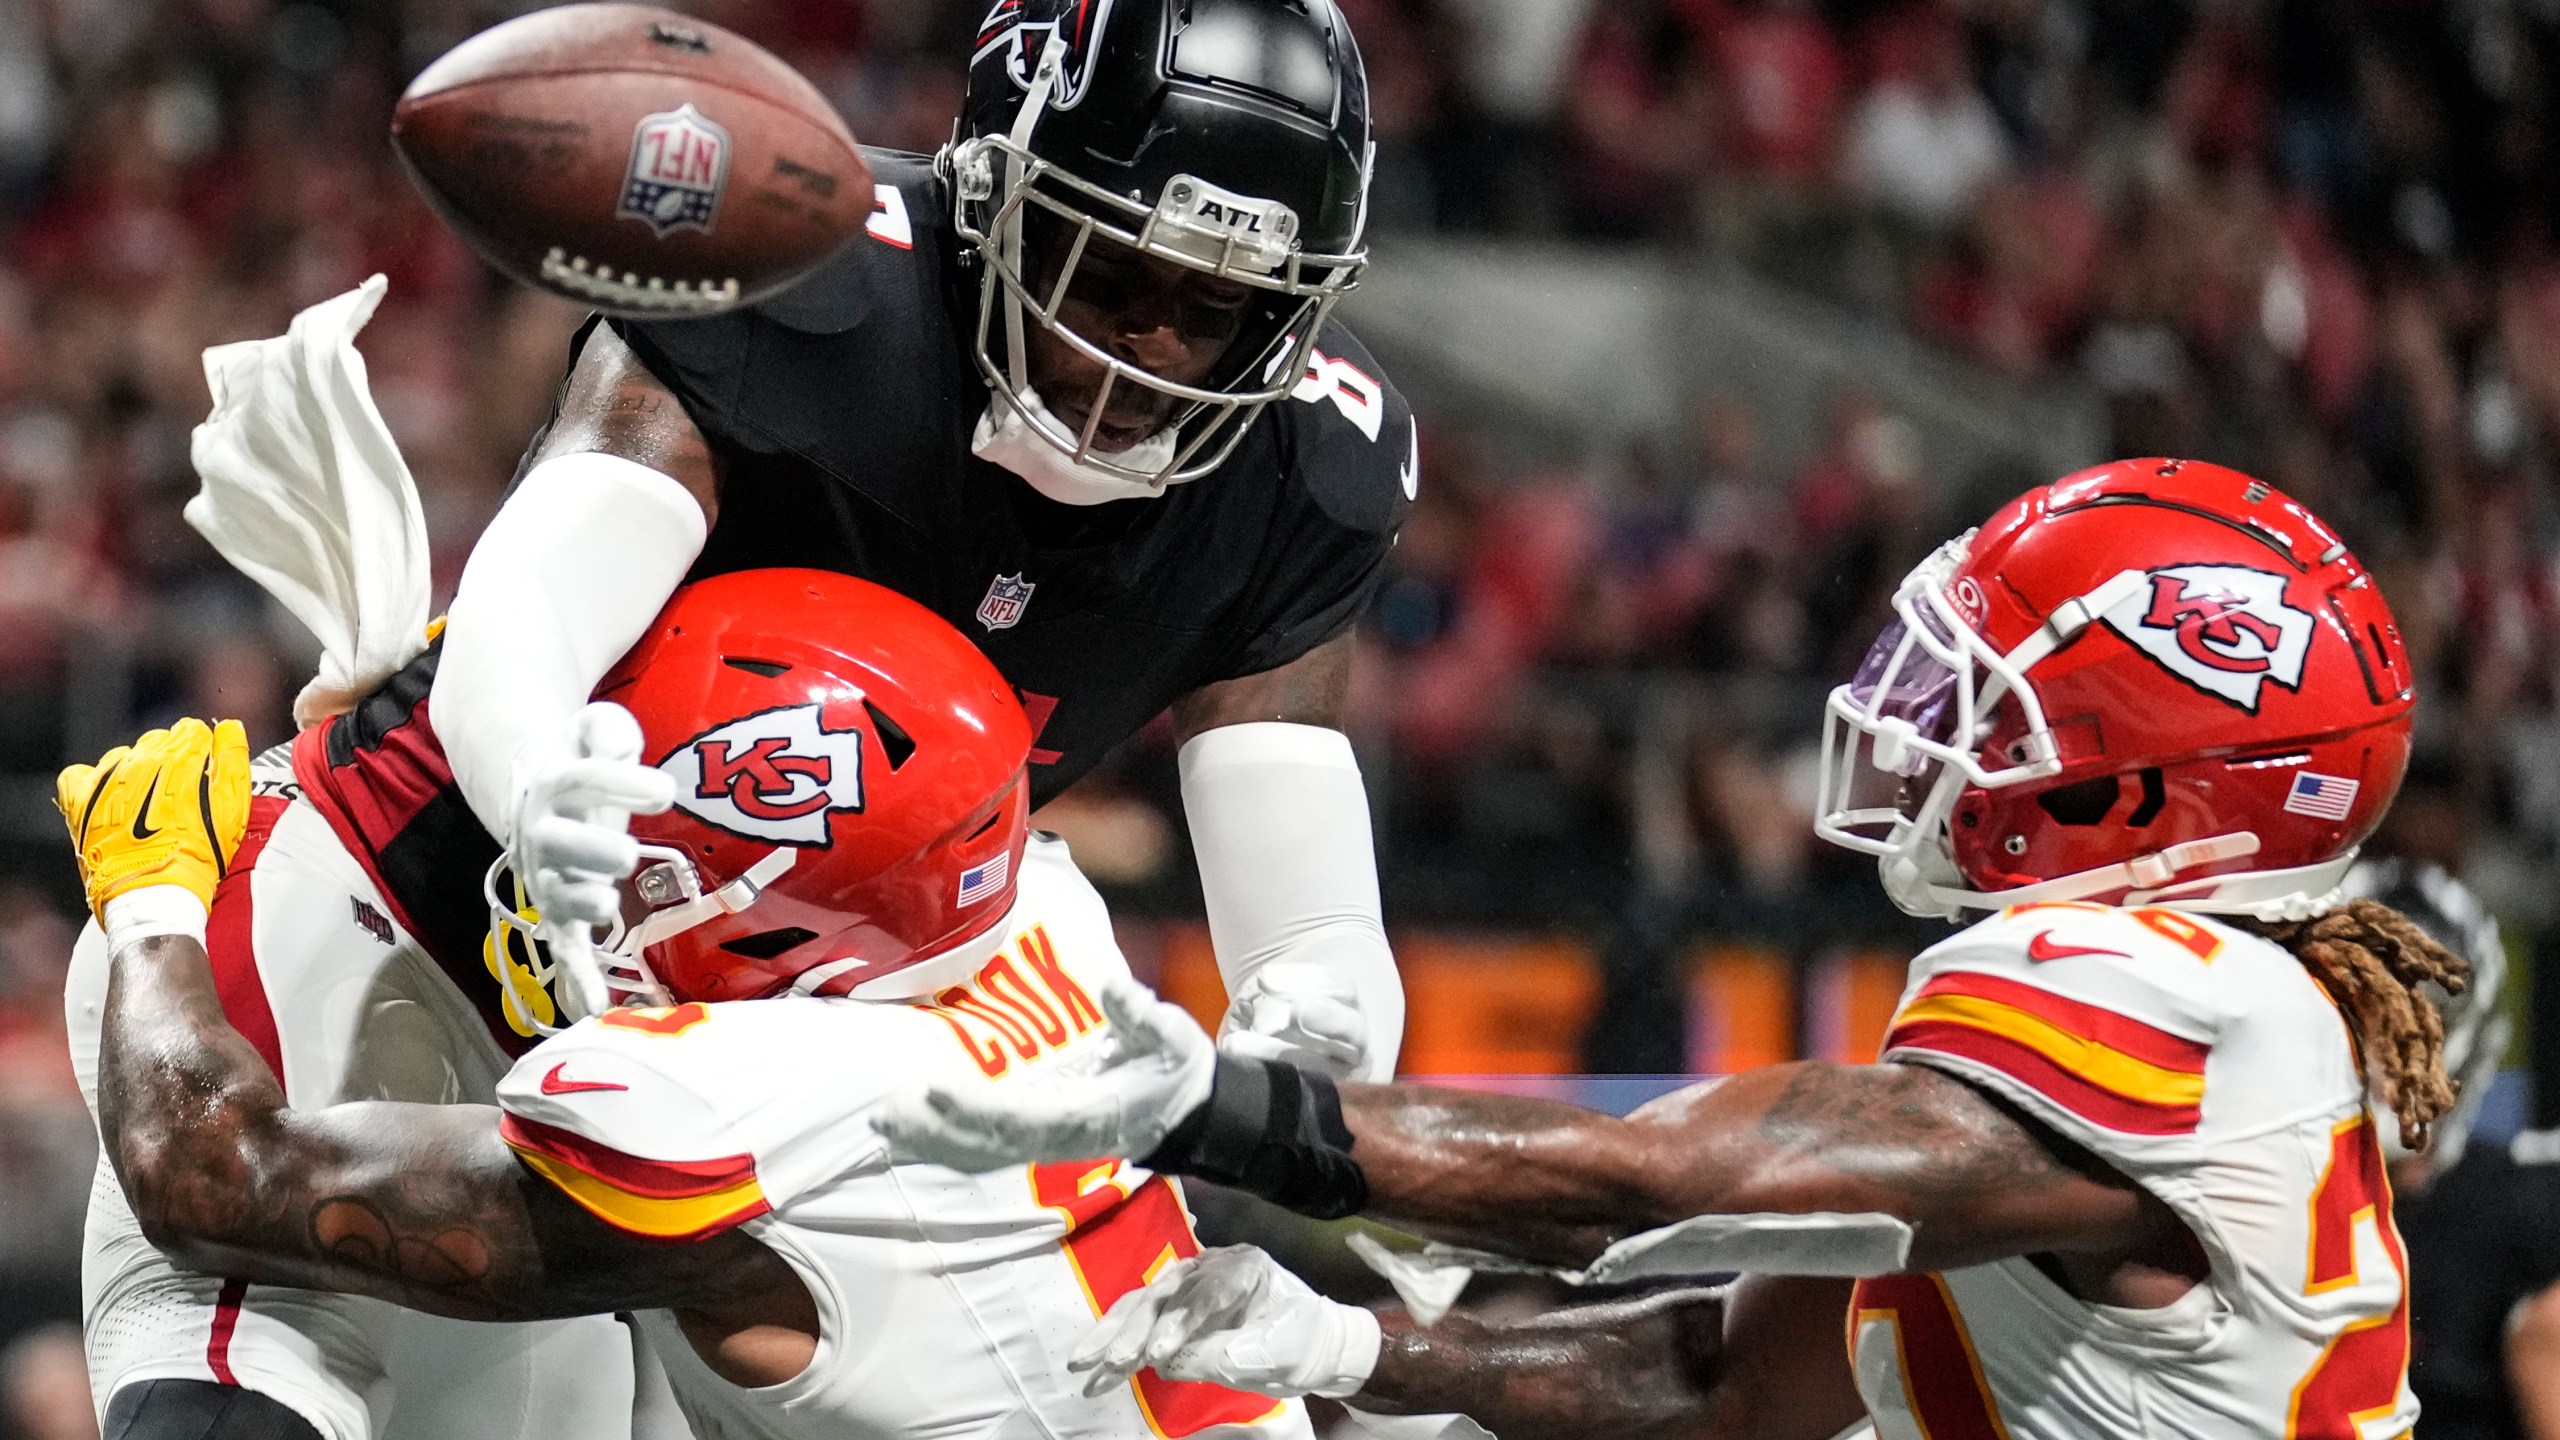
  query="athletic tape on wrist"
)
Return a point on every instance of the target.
[
  {"x": 137, "y": 915},
  {"x": 1273, "y": 1130}
]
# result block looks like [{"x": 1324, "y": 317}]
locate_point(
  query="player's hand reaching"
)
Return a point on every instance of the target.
[
  {"x": 1302, "y": 1014},
  {"x": 1232, "y": 1316},
  {"x": 1156, "y": 1071},
  {"x": 155, "y": 825},
  {"x": 573, "y": 843}
]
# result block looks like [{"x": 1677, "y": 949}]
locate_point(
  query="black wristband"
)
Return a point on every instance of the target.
[{"x": 1273, "y": 1130}]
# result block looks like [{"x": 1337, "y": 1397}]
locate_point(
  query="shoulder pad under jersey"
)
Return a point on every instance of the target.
[
  {"x": 905, "y": 243},
  {"x": 1350, "y": 438}
]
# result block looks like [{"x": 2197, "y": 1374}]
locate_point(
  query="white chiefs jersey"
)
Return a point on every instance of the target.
[
  {"x": 948, "y": 1303},
  {"x": 2207, "y": 1065}
]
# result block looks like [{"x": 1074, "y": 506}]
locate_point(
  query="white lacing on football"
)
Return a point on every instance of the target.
[{"x": 599, "y": 282}]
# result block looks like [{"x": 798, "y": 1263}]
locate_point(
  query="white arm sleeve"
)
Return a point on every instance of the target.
[
  {"x": 564, "y": 580},
  {"x": 1288, "y": 867}
]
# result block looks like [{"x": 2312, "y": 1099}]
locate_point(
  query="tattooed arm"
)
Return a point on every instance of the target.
[
  {"x": 1761, "y": 1360},
  {"x": 613, "y": 405},
  {"x": 1975, "y": 1178},
  {"x": 421, "y": 1205}
]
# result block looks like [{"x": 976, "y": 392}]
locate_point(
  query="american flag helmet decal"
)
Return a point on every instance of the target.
[
  {"x": 980, "y": 881},
  {"x": 2322, "y": 797}
]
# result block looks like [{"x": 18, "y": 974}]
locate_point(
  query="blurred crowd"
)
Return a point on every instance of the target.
[{"x": 2311, "y": 238}]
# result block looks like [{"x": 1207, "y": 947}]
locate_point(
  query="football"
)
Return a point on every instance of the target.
[{"x": 633, "y": 159}]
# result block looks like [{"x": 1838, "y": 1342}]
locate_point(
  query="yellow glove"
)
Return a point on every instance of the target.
[{"x": 169, "y": 809}]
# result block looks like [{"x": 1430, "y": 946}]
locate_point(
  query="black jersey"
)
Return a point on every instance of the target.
[
  {"x": 843, "y": 413},
  {"x": 2484, "y": 1236}
]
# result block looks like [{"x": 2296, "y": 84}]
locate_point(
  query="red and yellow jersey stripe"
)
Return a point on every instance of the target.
[
  {"x": 660, "y": 1199},
  {"x": 2107, "y": 1068}
]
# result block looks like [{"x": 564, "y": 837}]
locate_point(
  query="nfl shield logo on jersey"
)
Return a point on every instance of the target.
[
  {"x": 774, "y": 775},
  {"x": 679, "y": 165},
  {"x": 1006, "y": 597}
]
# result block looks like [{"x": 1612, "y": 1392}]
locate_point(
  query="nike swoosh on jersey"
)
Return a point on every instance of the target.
[
  {"x": 553, "y": 1083},
  {"x": 2043, "y": 948},
  {"x": 140, "y": 830}
]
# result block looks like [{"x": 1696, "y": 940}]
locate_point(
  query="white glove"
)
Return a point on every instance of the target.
[
  {"x": 1304, "y": 1014},
  {"x": 1156, "y": 1070},
  {"x": 573, "y": 846},
  {"x": 1232, "y": 1316}
]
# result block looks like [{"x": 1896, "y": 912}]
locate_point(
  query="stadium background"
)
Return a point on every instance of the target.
[{"x": 1718, "y": 314}]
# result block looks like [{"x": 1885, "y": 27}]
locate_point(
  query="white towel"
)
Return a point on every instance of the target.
[
  {"x": 1821, "y": 1243},
  {"x": 305, "y": 493}
]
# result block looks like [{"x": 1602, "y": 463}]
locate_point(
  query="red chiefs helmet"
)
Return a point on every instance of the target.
[
  {"x": 2156, "y": 682},
  {"x": 850, "y": 800}
]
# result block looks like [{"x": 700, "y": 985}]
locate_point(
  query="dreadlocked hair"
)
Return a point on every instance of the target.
[{"x": 2372, "y": 959}]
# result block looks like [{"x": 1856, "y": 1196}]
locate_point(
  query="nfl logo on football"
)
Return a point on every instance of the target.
[
  {"x": 679, "y": 164},
  {"x": 1006, "y": 597}
]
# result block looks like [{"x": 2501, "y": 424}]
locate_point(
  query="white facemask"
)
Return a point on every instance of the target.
[{"x": 1007, "y": 437}]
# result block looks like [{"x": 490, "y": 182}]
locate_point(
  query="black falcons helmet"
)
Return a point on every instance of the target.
[{"x": 1228, "y": 136}]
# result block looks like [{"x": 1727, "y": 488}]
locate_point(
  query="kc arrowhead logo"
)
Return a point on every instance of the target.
[
  {"x": 774, "y": 775},
  {"x": 2225, "y": 629}
]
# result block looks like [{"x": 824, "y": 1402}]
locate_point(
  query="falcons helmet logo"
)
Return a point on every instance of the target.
[{"x": 1022, "y": 30}]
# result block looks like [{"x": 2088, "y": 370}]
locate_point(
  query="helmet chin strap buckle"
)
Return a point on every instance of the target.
[
  {"x": 2142, "y": 872},
  {"x": 666, "y": 883},
  {"x": 2142, "y": 879},
  {"x": 2207, "y": 851},
  {"x": 2151, "y": 871},
  {"x": 698, "y": 908},
  {"x": 975, "y": 175}
]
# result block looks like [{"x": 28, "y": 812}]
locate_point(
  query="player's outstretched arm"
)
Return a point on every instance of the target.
[
  {"x": 421, "y": 1205},
  {"x": 1760, "y": 1360},
  {"x": 1975, "y": 1178}
]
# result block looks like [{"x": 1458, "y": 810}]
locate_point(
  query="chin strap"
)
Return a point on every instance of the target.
[
  {"x": 913, "y": 980},
  {"x": 2295, "y": 893},
  {"x": 729, "y": 899},
  {"x": 1009, "y": 434}
]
